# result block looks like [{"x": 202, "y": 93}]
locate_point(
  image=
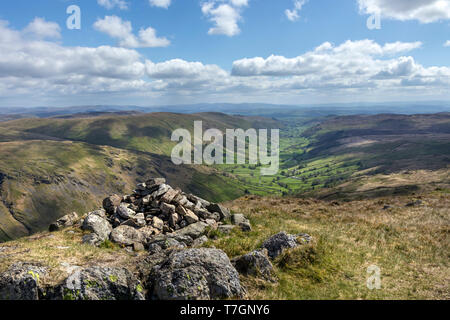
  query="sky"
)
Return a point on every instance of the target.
[{"x": 158, "y": 52}]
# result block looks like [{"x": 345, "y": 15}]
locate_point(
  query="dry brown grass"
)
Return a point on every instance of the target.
[{"x": 409, "y": 244}]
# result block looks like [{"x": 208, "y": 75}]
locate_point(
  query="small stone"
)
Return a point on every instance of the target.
[{"x": 167, "y": 209}]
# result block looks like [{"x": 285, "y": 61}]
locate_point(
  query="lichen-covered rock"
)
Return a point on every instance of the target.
[
  {"x": 92, "y": 239},
  {"x": 195, "y": 230},
  {"x": 98, "y": 225},
  {"x": 255, "y": 263},
  {"x": 279, "y": 242},
  {"x": 196, "y": 274},
  {"x": 101, "y": 283},
  {"x": 126, "y": 236},
  {"x": 21, "y": 282}
]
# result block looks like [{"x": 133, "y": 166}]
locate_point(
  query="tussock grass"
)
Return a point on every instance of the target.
[{"x": 409, "y": 244}]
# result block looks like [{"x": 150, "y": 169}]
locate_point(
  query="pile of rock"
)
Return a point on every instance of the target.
[{"x": 154, "y": 214}]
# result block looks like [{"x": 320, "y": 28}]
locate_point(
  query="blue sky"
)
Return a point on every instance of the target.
[{"x": 223, "y": 51}]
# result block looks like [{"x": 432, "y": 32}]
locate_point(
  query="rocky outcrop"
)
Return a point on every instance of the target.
[
  {"x": 281, "y": 241},
  {"x": 21, "y": 282},
  {"x": 255, "y": 263},
  {"x": 101, "y": 283},
  {"x": 196, "y": 274}
]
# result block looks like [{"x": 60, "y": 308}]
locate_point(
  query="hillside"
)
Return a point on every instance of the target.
[
  {"x": 50, "y": 167},
  {"x": 405, "y": 236}
]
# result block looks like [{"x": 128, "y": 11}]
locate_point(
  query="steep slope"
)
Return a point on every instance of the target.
[{"x": 49, "y": 167}]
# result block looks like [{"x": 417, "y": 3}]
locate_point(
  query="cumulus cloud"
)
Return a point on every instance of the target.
[
  {"x": 425, "y": 11},
  {"x": 111, "y": 4},
  {"x": 38, "y": 70},
  {"x": 447, "y": 43},
  {"x": 122, "y": 30},
  {"x": 225, "y": 14},
  {"x": 351, "y": 57},
  {"x": 43, "y": 29},
  {"x": 178, "y": 68},
  {"x": 293, "y": 14},
  {"x": 160, "y": 3}
]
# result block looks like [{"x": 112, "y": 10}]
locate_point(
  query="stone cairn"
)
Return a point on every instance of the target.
[{"x": 153, "y": 211}]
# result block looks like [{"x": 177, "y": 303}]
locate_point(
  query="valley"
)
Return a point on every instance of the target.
[{"x": 53, "y": 166}]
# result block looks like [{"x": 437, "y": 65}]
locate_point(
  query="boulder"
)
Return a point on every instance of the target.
[
  {"x": 98, "y": 225},
  {"x": 126, "y": 236},
  {"x": 21, "y": 282},
  {"x": 64, "y": 222},
  {"x": 255, "y": 263},
  {"x": 195, "y": 230},
  {"x": 224, "y": 212},
  {"x": 242, "y": 222},
  {"x": 279, "y": 242},
  {"x": 111, "y": 203},
  {"x": 195, "y": 274},
  {"x": 101, "y": 283}
]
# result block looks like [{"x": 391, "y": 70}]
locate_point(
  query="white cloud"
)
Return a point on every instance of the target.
[
  {"x": 350, "y": 58},
  {"x": 122, "y": 30},
  {"x": 181, "y": 69},
  {"x": 160, "y": 3},
  {"x": 43, "y": 29},
  {"x": 447, "y": 43},
  {"x": 111, "y": 4},
  {"x": 293, "y": 14},
  {"x": 225, "y": 14},
  {"x": 425, "y": 11},
  {"x": 46, "y": 72}
]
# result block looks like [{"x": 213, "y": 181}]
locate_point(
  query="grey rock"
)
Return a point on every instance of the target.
[
  {"x": 195, "y": 230},
  {"x": 101, "y": 283},
  {"x": 200, "y": 241},
  {"x": 125, "y": 213},
  {"x": 155, "y": 182},
  {"x": 92, "y": 239},
  {"x": 169, "y": 195},
  {"x": 242, "y": 222},
  {"x": 111, "y": 203},
  {"x": 255, "y": 263},
  {"x": 126, "y": 236},
  {"x": 204, "y": 203},
  {"x": 98, "y": 225},
  {"x": 224, "y": 212},
  {"x": 64, "y": 222},
  {"x": 226, "y": 228},
  {"x": 157, "y": 223},
  {"x": 195, "y": 274},
  {"x": 279, "y": 242},
  {"x": 166, "y": 208},
  {"x": 163, "y": 188},
  {"x": 21, "y": 282}
]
